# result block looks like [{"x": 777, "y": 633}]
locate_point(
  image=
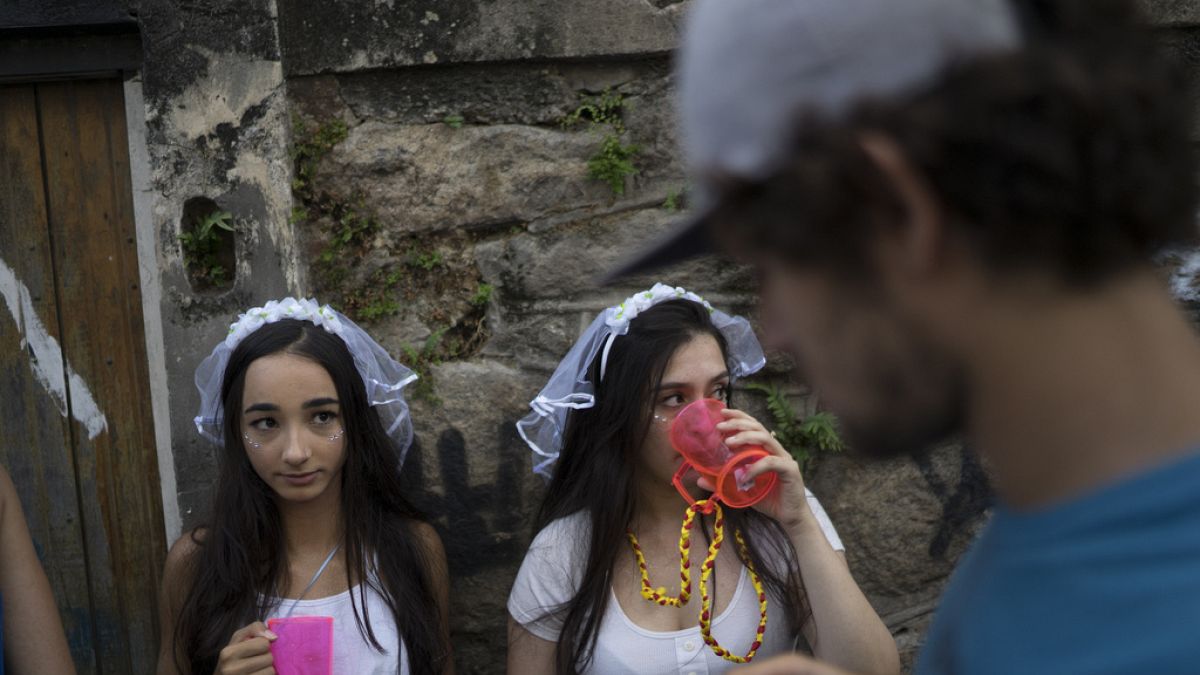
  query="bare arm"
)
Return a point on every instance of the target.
[
  {"x": 170, "y": 601},
  {"x": 34, "y": 640},
  {"x": 528, "y": 653},
  {"x": 440, "y": 575},
  {"x": 844, "y": 630}
]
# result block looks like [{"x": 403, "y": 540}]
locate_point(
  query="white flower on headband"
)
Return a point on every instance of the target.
[
  {"x": 287, "y": 308},
  {"x": 620, "y": 316}
]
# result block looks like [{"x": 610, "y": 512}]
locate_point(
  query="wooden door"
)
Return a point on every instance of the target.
[{"x": 76, "y": 428}]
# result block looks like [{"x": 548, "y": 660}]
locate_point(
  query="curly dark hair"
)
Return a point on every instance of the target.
[{"x": 1071, "y": 154}]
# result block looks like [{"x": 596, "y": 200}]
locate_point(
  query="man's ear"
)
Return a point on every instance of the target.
[{"x": 916, "y": 246}]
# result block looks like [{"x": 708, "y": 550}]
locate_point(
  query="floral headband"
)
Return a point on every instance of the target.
[
  {"x": 383, "y": 376},
  {"x": 637, "y": 303},
  {"x": 287, "y": 308}
]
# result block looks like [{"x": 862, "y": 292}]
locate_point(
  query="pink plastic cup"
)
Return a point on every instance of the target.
[
  {"x": 694, "y": 434},
  {"x": 305, "y": 645}
]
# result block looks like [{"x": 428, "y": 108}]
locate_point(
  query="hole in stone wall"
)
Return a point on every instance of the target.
[{"x": 206, "y": 242}]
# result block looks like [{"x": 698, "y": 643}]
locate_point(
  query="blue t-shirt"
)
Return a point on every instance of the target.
[{"x": 1107, "y": 583}]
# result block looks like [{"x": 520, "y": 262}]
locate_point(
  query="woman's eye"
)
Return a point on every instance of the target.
[
  {"x": 325, "y": 417},
  {"x": 673, "y": 400},
  {"x": 263, "y": 424},
  {"x": 721, "y": 392}
]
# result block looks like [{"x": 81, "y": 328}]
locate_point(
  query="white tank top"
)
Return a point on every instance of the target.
[
  {"x": 553, "y": 571},
  {"x": 352, "y": 654}
]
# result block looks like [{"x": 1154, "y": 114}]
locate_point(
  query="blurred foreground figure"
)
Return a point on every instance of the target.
[
  {"x": 953, "y": 207},
  {"x": 31, "y": 633}
]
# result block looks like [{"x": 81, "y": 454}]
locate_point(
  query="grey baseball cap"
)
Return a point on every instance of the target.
[{"x": 746, "y": 69}]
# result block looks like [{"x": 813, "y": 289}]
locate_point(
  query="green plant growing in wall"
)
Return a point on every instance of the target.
[
  {"x": 379, "y": 308},
  {"x": 201, "y": 245},
  {"x": 428, "y": 261},
  {"x": 309, "y": 147},
  {"x": 613, "y": 162},
  {"x": 420, "y": 360},
  {"x": 350, "y": 227},
  {"x": 347, "y": 268},
  {"x": 672, "y": 202},
  {"x": 482, "y": 295},
  {"x": 804, "y": 438},
  {"x": 376, "y": 298}
]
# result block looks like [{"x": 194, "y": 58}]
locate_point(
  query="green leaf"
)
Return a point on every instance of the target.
[
  {"x": 431, "y": 342},
  {"x": 612, "y": 163},
  {"x": 482, "y": 295},
  {"x": 817, "y": 433},
  {"x": 820, "y": 430},
  {"x": 221, "y": 218},
  {"x": 412, "y": 354}
]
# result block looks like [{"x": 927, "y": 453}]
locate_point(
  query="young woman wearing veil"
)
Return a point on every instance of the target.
[
  {"x": 309, "y": 520},
  {"x": 588, "y": 597}
]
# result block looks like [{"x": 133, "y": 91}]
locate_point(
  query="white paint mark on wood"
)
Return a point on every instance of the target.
[{"x": 46, "y": 358}]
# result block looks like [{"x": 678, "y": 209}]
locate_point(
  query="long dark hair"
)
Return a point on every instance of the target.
[
  {"x": 595, "y": 475},
  {"x": 241, "y": 561}
]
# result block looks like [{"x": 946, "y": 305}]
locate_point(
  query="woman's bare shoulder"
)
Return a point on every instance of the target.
[{"x": 183, "y": 552}]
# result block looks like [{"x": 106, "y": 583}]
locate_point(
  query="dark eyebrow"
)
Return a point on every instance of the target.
[
  {"x": 682, "y": 385},
  {"x": 318, "y": 402},
  {"x": 268, "y": 407},
  {"x": 271, "y": 407}
]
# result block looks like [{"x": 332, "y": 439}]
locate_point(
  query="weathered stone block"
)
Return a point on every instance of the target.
[
  {"x": 346, "y": 35},
  {"x": 482, "y": 497},
  {"x": 434, "y": 177},
  {"x": 545, "y": 280},
  {"x": 563, "y": 261},
  {"x": 905, "y": 523}
]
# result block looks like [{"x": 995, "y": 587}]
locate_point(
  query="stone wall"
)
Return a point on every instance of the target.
[
  {"x": 459, "y": 149},
  {"x": 215, "y": 129},
  {"x": 425, "y": 167}
]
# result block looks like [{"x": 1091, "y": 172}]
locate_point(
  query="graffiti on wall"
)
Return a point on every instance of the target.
[
  {"x": 968, "y": 499},
  {"x": 484, "y": 524}
]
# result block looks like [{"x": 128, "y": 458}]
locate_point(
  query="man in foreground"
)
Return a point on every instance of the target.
[{"x": 953, "y": 206}]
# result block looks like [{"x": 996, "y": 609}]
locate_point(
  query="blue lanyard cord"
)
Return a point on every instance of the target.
[{"x": 320, "y": 570}]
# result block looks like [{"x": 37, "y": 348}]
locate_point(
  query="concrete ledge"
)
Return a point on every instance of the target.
[{"x": 349, "y": 35}]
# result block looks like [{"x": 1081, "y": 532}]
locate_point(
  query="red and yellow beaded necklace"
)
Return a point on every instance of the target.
[{"x": 659, "y": 595}]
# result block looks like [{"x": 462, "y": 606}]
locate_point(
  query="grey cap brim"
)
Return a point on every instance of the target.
[{"x": 690, "y": 239}]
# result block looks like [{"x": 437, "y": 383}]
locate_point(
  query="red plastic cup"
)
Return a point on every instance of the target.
[
  {"x": 695, "y": 435},
  {"x": 304, "y": 646}
]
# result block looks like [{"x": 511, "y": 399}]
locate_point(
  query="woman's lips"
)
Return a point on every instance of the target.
[{"x": 300, "y": 479}]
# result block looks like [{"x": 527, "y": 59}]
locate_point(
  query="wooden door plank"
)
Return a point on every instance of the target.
[
  {"x": 95, "y": 254},
  {"x": 34, "y": 435}
]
